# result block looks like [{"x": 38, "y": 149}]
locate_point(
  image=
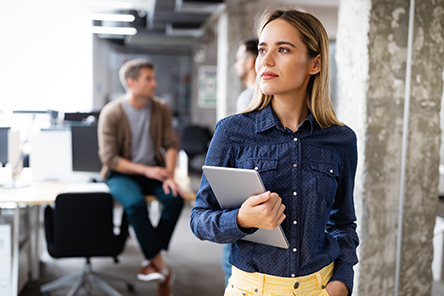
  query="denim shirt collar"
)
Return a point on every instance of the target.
[{"x": 266, "y": 119}]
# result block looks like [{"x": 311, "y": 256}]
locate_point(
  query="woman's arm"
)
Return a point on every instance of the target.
[
  {"x": 208, "y": 221},
  {"x": 342, "y": 224}
]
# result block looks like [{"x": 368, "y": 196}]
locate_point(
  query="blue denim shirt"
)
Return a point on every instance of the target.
[{"x": 312, "y": 170}]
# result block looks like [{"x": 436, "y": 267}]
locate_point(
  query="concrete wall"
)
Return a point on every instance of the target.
[
  {"x": 232, "y": 28},
  {"x": 372, "y": 59}
]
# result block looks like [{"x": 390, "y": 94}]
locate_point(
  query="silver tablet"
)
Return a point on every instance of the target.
[{"x": 232, "y": 187}]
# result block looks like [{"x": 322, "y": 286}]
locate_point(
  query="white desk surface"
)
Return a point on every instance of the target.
[
  {"x": 38, "y": 193},
  {"x": 45, "y": 192}
]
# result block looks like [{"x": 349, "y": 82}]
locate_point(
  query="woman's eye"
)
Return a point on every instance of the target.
[
  {"x": 261, "y": 50},
  {"x": 281, "y": 49}
]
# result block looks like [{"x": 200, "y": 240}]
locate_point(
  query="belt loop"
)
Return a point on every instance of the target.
[
  {"x": 259, "y": 289},
  {"x": 319, "y": 278}
]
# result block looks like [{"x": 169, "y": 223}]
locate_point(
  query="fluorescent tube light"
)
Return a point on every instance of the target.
[
  {"x": 113, "y": 17},
  {"x": 114, "y": 30},
  {"x": 110, "y": 4}
]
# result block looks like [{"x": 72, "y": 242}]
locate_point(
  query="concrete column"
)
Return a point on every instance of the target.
[
  {"x": 232, "y": 28},
  {"x": 372, "y": 47}
]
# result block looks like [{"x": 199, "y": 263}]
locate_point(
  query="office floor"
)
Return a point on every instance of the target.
[{"x": 195, "y": 263}]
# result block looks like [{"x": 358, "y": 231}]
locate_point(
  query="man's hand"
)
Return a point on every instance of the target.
[
  {"x": 336, "y": 288},
  {"x": 158, "y": 173},
  {"x": 262, "y": 211},
  {"x": 169, "y": 185}
]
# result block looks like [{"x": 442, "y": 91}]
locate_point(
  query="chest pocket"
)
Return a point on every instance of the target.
[
  {"x": 265, "y": 167},
  {"x": 327, "y": 177}
]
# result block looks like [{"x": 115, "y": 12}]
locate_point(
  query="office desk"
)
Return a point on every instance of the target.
[
  {"x": 27, "y": 200},
  {"x": 25, "y": 250},
  {"x": 31, "y": 199}
]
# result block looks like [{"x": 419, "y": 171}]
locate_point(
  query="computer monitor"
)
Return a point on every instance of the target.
[
  {"x": 10, "y": 152},
  {"x": 85, "y": 157}
]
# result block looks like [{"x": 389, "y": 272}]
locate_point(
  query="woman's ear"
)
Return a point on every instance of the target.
[{"x": 316, "y": 65}]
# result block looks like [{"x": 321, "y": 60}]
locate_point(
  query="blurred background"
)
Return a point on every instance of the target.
[{"x": 59, "y": 63}]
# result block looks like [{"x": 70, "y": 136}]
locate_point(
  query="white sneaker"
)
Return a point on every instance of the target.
[{"x": 150, "y": 273}]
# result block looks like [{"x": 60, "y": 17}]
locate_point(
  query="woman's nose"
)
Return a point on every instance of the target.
[{"x": 268, "y": 60}]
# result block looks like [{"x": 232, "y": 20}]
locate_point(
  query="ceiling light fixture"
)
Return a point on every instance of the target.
[
  {"x": 114, "y": 30},
  {"x": 110, "y": 4},
  {"x": 128, "y": 18}
]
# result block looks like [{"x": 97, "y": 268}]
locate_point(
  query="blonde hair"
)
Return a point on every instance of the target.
[{"x": 313, "y": 35}]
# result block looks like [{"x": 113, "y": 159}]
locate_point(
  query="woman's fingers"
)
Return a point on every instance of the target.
[
  {"x": 262, "y": 211},
  {"x": 259, "y": 199}
]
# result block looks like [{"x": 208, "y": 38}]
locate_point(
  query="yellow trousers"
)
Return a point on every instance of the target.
[{"x": 243, "y": 283}]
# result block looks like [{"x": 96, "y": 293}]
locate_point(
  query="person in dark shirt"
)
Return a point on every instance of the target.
[{"x": 307, "y": 160}]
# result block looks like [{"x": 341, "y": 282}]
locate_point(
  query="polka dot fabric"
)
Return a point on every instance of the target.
[{"x": 312, "y": 170}]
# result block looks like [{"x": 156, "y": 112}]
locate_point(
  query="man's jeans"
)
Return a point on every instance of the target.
[{"x": 130, "y": 191}]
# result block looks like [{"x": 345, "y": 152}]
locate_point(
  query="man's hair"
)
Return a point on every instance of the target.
[
  {"x": 251, "y": 46},
  {"x": 131, "y": 69}
]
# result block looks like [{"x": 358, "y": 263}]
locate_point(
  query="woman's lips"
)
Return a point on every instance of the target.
[{"x": 267, "y": 75}]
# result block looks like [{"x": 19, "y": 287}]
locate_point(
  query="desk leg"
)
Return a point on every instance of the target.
[
  {"x": 34, "y": 230},
  {"x": 15, "y": 251}
]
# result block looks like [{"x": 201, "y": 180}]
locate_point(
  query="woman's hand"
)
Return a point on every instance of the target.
[
  {"x": 336, "y": 288},
  {"x": 262, "y": 211}
]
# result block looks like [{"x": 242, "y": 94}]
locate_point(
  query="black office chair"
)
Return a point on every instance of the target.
[
  {"x": 81, "y": 225},
  {"x": 195, "y": 141}
]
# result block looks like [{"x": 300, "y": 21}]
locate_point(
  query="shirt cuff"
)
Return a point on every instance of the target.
[
  {"x": 344, "y": 273},
  {"x": 237, "y": 231}
]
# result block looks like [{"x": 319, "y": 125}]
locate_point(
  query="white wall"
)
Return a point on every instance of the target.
[{"x": 45, "y": 56}]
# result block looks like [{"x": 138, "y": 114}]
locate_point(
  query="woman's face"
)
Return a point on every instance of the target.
[{"x": 283, "y": 66}]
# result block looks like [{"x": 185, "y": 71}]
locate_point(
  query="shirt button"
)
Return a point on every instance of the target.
[
  {"x": 295, "y": 250},
  {"x": 295, "y": 193},
  {"x": 296, "y": 285},
  {"x": 256, "y": 168},
  {"x": 295, "y": 139},
  {"x": 294, "y": 165},
  {"x": 293, "y": 275},
  {"x": 331, "y": 171},
  {"x": 295, "y": 222}
]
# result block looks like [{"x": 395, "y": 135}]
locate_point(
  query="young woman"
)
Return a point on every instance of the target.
[{"x": 307, "y": 160}]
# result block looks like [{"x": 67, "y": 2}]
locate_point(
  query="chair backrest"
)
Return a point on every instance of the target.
[
  {"x": 195, "y": 140},
  {"x": 81, "y": 225}
]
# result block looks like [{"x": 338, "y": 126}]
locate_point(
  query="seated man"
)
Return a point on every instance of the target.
[{"x": 132, "y": 131}]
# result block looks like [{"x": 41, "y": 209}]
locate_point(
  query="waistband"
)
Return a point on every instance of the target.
[{"x": 259, "y": 282}]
